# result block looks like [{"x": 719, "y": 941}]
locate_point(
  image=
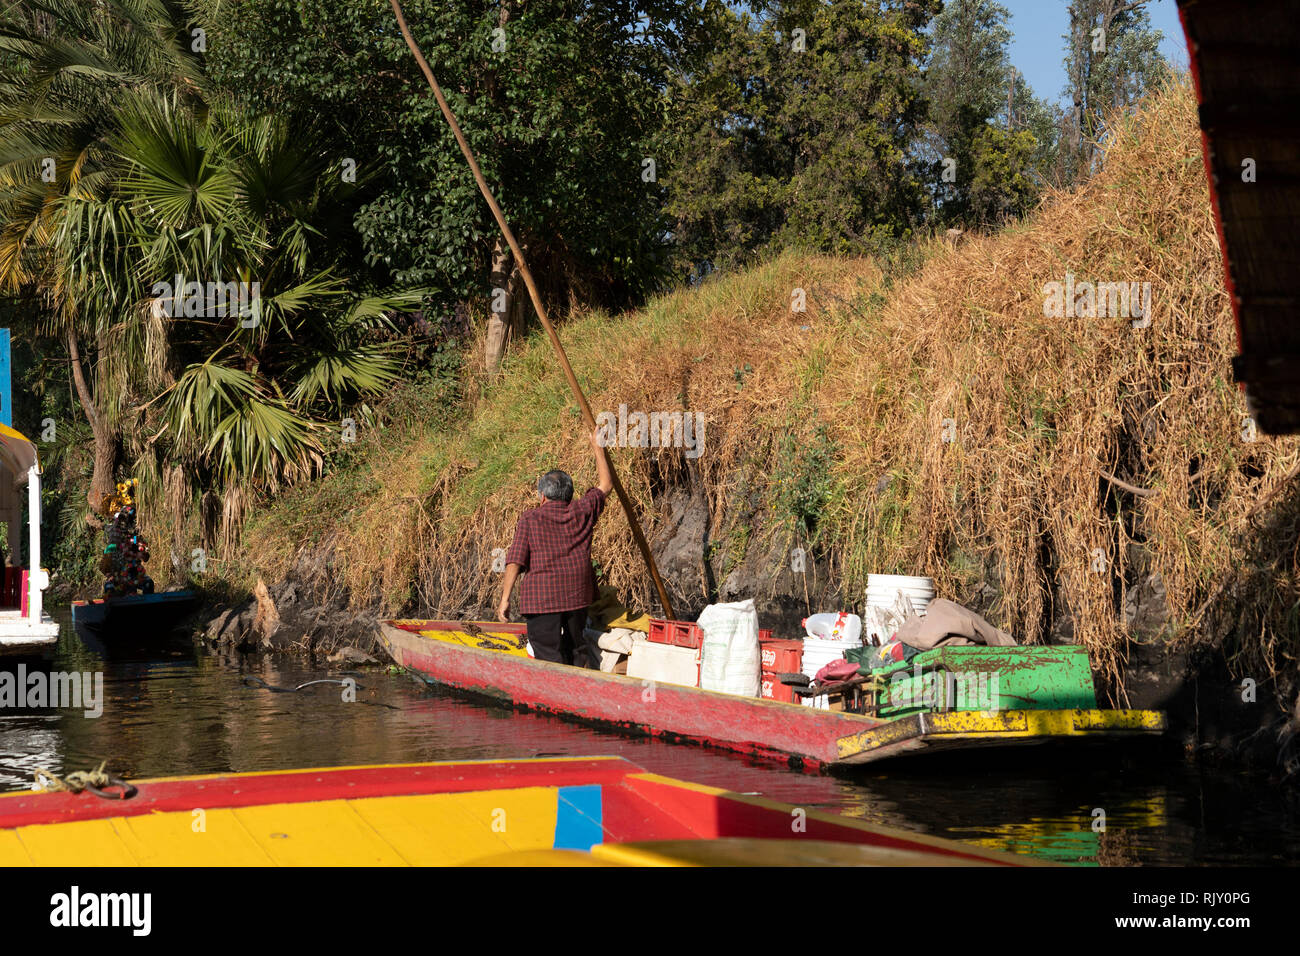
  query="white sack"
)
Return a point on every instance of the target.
[{"x": 730, "y": 658}]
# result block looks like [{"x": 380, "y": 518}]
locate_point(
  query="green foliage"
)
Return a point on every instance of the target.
[
  {"x": 1112, "y": 59},
  {"x": 45, "y": 412},
  {"x": 1000, "y": 184},
  {"x": 804, "y": 476},
  {"x": 167, "y": 187},
  {"x": 776, "y": 147},
  {"x": 990, "y": 143},
  {"x": 731, "y": 548},
  {"x": 968, "y": 73},
  {"x": 215, "y": 198},
  {"x": 561, "y": 121}
]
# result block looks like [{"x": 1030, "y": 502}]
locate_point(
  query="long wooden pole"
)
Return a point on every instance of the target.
[{"x": 588, "y": 419}]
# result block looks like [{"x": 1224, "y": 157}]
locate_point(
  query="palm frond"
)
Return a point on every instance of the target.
[
  {"x": 338, "y": 374},
  {"x": 244, "y": 429}
]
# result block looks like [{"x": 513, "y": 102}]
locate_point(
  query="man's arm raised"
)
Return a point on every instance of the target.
[{"x": 604, "y": 478}]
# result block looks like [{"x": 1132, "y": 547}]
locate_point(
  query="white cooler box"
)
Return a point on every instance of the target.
[{"x": 664, "y": 663}]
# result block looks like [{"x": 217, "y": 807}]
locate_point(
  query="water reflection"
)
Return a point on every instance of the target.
[{"x": 172, "y": 709}]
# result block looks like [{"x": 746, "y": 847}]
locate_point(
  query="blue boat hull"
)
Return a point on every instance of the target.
[{"x": 138, "y": 614}]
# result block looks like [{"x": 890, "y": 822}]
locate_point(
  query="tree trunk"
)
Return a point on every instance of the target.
[
  {"x": 499, "y": 306},
  {"x": 105, "y": 450},
  {"x": 504, "y": 270}
]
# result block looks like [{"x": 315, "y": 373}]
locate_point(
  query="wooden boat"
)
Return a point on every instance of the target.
[
  {"x": 485, "y": 658},
  {"x": 551, "y": 812},
  {"x": 137, "y": 614}
]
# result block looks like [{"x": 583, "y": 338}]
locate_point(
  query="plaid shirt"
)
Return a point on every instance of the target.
[{"x": 553, "y": 547}]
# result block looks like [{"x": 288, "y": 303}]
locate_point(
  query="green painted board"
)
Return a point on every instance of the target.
[{"x": 990, "y": 678}]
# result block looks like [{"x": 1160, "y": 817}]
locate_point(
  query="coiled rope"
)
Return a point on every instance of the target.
[{"x": 97, "y": 781}]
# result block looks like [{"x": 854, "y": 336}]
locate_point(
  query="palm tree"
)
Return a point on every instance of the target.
[
  {"x": 176, "y": 186},
  {"x": 65, "y": 65}
]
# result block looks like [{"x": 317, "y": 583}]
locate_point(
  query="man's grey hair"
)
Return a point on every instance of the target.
[{"x": 556, "y": 486}]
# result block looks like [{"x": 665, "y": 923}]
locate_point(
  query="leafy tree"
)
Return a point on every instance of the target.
[
  {"x": 1043, "y": 120},
  {"x": 989, "y": 140},
  {"x": 561, "y": 101},
  {"x": 968, "y": 74},
  {"x": 1001, "y": 184},
  {"x": 1112, "y": 59},
  {"x": 797, "y": 130},
  {"x": 64, "y": 67}
]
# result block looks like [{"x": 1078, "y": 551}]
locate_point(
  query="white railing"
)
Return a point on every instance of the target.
[{"x": 37, "y": 579}]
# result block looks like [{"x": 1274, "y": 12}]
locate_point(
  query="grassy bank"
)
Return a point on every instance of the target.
[{"x": 920, "y": 416}]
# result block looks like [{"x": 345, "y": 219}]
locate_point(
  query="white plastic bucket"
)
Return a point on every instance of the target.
[
  {"x": 883, "y": 591},
  {"x": 899, "y": 581},
  {"x": 888, "y": 600}
]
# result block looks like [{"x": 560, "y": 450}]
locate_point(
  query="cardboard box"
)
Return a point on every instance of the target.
[{"x": 664, "y": 663}]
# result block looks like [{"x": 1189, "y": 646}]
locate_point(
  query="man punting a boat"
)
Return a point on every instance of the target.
[{"x": 552, "y": 549}]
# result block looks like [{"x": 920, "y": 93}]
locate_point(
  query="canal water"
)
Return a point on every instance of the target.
[{"x": 173, "y": 708}]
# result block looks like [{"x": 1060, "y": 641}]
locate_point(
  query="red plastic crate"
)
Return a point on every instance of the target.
[
  {"x": 686, "y": 634},
  {"x": 785, "y": 657},
  {"x": 773, "y": 689},
  {"x": 677, "y": 633}
]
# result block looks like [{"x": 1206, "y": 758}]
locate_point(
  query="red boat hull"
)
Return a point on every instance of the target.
[{"x": 742, "y": 724}]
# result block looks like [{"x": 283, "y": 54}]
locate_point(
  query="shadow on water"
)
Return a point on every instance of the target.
[{"x": 172, "y": 708}]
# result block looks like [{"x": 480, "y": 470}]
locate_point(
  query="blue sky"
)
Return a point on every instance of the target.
[{"x": 1038, "y": 50}]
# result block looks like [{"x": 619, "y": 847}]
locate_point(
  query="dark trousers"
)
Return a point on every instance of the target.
[{"x": 560, "y": 638}]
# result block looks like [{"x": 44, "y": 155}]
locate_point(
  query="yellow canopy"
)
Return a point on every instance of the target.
[{"x": 17, "y": 453}]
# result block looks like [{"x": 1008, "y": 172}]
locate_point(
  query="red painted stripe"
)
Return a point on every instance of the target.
[
  {"x": 627, "y": 816},
  {"x": 725, "y": 816},
  {"x": 245, "y": 790},
  {"x": 1206, "y": 152}
]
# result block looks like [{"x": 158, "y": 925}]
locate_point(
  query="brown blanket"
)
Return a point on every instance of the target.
[{"x": 946, "y": 622}]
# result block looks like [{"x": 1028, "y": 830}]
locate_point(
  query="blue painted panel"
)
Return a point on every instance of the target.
[
  {"x": 578, "y": 815},
  {"x": 6, "y": 391}
]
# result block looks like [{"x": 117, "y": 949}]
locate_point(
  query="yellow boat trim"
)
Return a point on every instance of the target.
[
  {"x": 445, "y": 829},
  {"x": 974, "y": 724},
  {"x": 506, "y": 640}
]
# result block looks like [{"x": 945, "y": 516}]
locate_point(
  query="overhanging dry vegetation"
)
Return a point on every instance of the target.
[{"x": 1040, "y": 408}]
